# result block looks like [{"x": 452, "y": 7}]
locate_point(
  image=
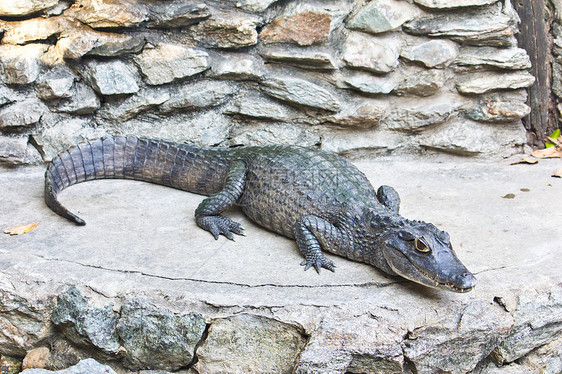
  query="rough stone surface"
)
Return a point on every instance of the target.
[
  {"x": 442, "y": 4},
  {"x": 89, "y": 366},
  {"x": 300, "y": 58},
  {"x": 301, "y": 92},
  {"x": 424, "y": 83},
  {"x": 239, "y": 68},
  {"x": 16, "y": 150},
  {"x": 416, "y": 116},
  {"x": 478, "y": 83},
  {"x": 230, "y": 31},
  {"x": 158, "y": 338},
  {"x": 109, "y": 14},
  {"x": 30, "y": 30},
  {"x": 251, "y": 344},
  {"x": 250, "y": 105},
  {"x": 82, "y": 100},
  {"x": 363, "y": 115},
  {"x": 202, "y": 94},
  {"x": 490, "y": 26},
  {"x": 20, "y": 64},
  {"x": 370, "y": 84},
  {"x": 303, "y": 28},
  {"x": 24, "y": 7},
  {"x": 498, "y": 111},
  {"x": 129, "y": 107},
  {"x": 55, "y": 84},
  {"x": 537, "y": 322},
  {"x": 469, "y": 138},
  {"x": 36, "y": 358},
  {"x": 22, "y": 113},
  {"x": 379, "y": 55},
  {"x": 511, "y": 58},
  {"x": 382, "y": 15},
  {"x": 433, "y": 54},
  {"x": 168, "y": 62},
  {"x": 112, "y": 77},
  {"x": 84, "y": 324}
]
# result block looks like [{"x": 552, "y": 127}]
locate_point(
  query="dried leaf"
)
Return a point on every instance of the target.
[
  {"x": 552, "y": 152},
  {"x": 557, "y": 173},
  {"x": 509, "y": 196},
  {"x": 21, "y": 229},
  {"x": 525, "y": 160}
]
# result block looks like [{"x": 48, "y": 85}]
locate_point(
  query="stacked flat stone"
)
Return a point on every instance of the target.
[{"x": 378, "y": 77}]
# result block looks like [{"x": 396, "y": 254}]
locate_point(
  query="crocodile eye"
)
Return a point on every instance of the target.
[{"x": 420, "y": 246}]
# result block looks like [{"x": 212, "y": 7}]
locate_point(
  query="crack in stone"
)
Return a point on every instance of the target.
[{"x": 184, "y": 279}]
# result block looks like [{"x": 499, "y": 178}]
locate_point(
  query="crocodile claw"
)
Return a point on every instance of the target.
[
  {"x": 318, "y": 263},
  {"x": 220, "y": 225}
]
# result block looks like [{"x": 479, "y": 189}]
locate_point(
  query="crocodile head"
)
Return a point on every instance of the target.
[{"x": 422, "y": 253}]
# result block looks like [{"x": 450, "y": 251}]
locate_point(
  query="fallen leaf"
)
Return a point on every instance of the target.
[
  {"x": 553, "y": 139},
  {"x": 525, "y": 160},
  {"x": 509, "y": 196},
  {"x": 21, "y": 229},
  {"x": 557, "y": 173},
  {"x": 551, "y": 152}
]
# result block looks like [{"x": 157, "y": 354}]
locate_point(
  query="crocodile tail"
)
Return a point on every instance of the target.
[{"x": 128, "y": 157}]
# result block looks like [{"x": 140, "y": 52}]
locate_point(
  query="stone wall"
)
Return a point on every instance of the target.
[{"x": 355, "y": 77}]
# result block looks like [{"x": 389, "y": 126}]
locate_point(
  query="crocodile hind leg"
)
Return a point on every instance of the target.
[
  {"x": 313, "y": 233},
  {"x": 207, "y": 214}
]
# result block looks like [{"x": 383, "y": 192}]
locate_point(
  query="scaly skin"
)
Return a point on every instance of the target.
[{"x": 314, "y": 197}]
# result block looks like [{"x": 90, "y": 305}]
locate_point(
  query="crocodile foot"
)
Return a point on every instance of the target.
[
  {"x": 318, "y": 263},
  {"x": 218, "y": 225}
]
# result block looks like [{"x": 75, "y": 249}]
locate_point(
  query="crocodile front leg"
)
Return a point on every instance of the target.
[
  {"x": 207, "y": 214},
  {"x": 313, "y": 234}
]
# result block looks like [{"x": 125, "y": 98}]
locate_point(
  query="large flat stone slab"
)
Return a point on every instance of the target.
[{"x": 141, "y": 241}]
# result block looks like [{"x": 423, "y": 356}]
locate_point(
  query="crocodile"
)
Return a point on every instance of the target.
[{"x": 317, "y": 198}]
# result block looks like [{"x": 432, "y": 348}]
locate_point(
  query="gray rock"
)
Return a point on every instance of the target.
[
  {"x": 254, "y": 106},
  {"x": 22, "y": 113},
  {"x": 16, "y": 150},
  {"x": 379, "y": 55},
  {"x": 255, "y": 6},
  {"x": 370, "y": 84},
  {"x": 362, "y": 142},
  {"x": 108, "y": 14},
  {"x": 424, "y": 83},
  {"x": 301, "y": 92},
  {"x": 202, "y": 94},
  {"x": 82, "y": 100},
  {"x": 18, "y": 8},
  {"x": 251, "y": 344},
  {"x": 363, "y": 115},
  {"x": 89, "y": 366},
  {"x": 358, "y": 345},
  {"x": 176, "y": 14},
  {"x": 546, "y": 359},
  {"x": 497, "y": 111},
  {"x": 158, "y": 338},
  {"x": 467, "y": 138},
  {"x": 229, "y": 30},
  {"x": 483, "y": 324},
  {"x": 487, "y": 26},
  {"x": 129, "y": 107},
  {"x": 266, "y": 133},
  {"x": 478, "y": 83},
  {"x": 111, "y": 77},
  {"x": 538, "y": 321},
  {"x": 55, "y": 83},
  {"x": 200, "y": 127},
  {"x": 84, "y": 324},
  {"x": 168, "y": 62},
  {"x": 59, "y": 132},
  {"x": 382, "y": 15},
  {"x": 20, "y": 64},
  {"x": 416, "y": 117},
  {"x": 303, "y": 58},
  {"x": 479, "y": 57},
  {"x": 238, "y": 67},
  {"x": 433, "y": 54},
  {"x": 444, "y": 4}
]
